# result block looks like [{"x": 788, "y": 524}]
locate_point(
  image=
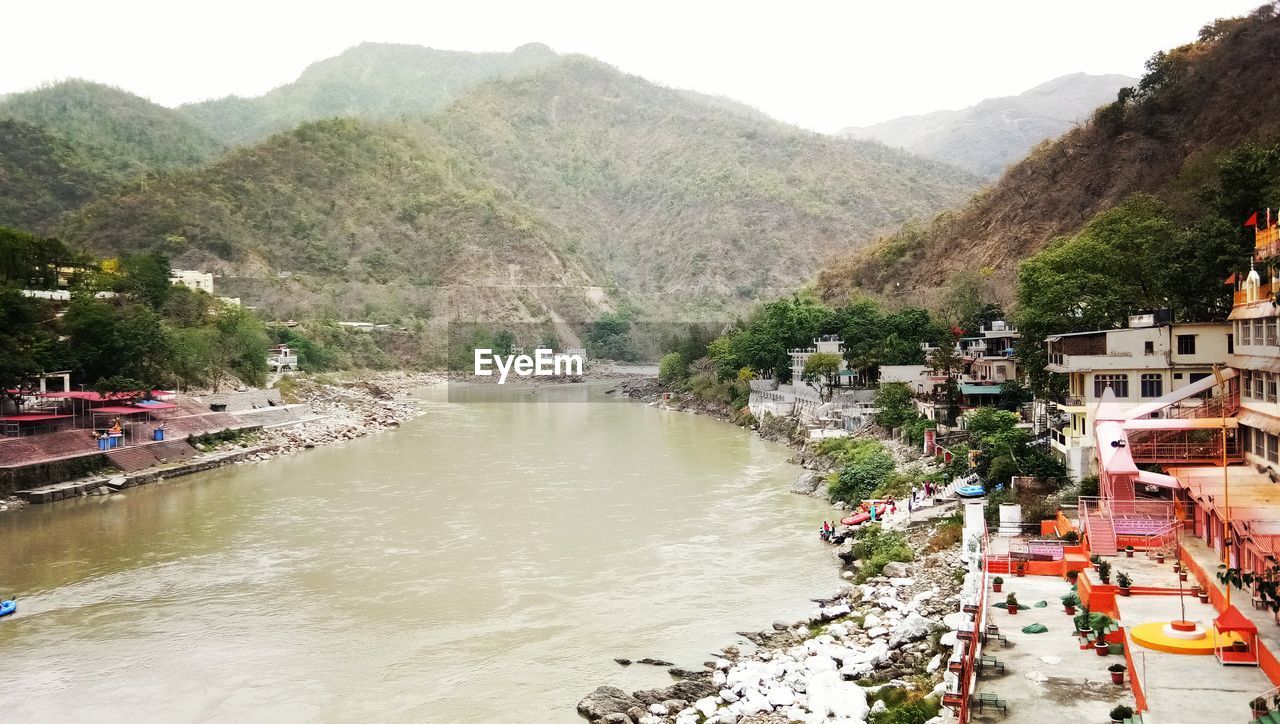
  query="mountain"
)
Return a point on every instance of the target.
[
  {"x": 371, "y": 80},
  {"x": 559, "y": 192},
  {"x": 126, "y": 134},
  {"x": 987, "y": 137},
  {"x": 669, "y": 192},
  {"x": 1196, "y": 103},
  {"x": 62, "y": 144},
  {"x": 42, "y": 176}
]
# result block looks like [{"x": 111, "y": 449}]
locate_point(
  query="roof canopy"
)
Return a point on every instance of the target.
[
  {"x": 1232, "y": 620},
  {"x": 119, "y": 410}
]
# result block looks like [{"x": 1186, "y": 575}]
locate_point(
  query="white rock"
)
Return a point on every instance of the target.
[
  {"x": 838, "y": 630},
  {"x": 894, "y": 569},
  {"x": 871, "y": 621},
  {"x": 899, "y": 582},
  {"x": 879, "y": 707},
  {"x": 728, "y": 695},
  {"x": 913, "y": 628},
  {"x": 847, "y": 575},
  {"x": 831, "y": 696},
  {"x": 833, "y": 612},
  {"x": 723, "y": 664},
  {"x": 651, "y": 719},
  {"x": 718, "y": 678},
  {"x": 687, "y": 719},
  {"x": 953, "y": 620},
  {"x": 781, "y": 696},
  {"x": 706, "y": 705},
  {"x": 658, "y": 709},
  {"x": 877, "y": 632},
  {"x": 934, "y": 664}
]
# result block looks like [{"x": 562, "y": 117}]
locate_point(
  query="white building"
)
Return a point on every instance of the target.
[
  {"x": 1138, "y": 363},
  {"x": 989, "y": 356},
  {"x": 282, "y": 359},
  {"x": 192, "y": 279}
]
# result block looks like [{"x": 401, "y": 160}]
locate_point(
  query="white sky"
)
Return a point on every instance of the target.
[{"x": 821, "y": 65}]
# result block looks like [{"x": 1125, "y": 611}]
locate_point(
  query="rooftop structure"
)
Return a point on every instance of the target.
[
  {"x": 192, "y": 279},
  {"x": 1137, "y": 364}
]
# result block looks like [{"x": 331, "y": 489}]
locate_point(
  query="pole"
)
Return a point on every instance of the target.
[{"x": 1226, "y": 487}]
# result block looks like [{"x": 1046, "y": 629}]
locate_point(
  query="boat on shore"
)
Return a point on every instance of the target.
[{"x": 8, "y": 607}]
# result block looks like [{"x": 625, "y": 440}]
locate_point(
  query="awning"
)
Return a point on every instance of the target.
[
  {"x": 1159, "y": 480},
  {"x": 1116, "y": 459},
  {"x": 1253, "y": 311},
  {"x": 1178, "y": 395},
  {"x": 969, "y": 389},
  {"x": 157, "y": 405},
  {"x": 1258, "y": 421},
  {"x": 1254, "y": 362},
  {"x": 31, "y": 417}
]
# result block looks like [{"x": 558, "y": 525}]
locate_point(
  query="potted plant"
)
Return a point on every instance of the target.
[
  {"x": 1203, "y": 595},
  {"x": 1011, "y": 603},
  {"x": 1101, "y": 622},
  {"x": 1104, "y": 572},
  {"x": 1177, "y": 567},
  {"x": 1069, "y": 602},
  {"x": 1117, "y": 673},
  {"x": 1082, "y": 623},
  {"x": 1123, "y": 581},
  {"x": 996, "y": 583},
  {"x": 1021, "y": 569},
  {"x": 1259, "y": 707},
  {"x": 1182, "y": 574},
  {"x": 1120, "y": 713},
  {"x": 1128, "y": 551},
  {"x": 1159, "y": 556},
  {"x": 1239, "y": 646},
  {"x": 1071, "y": 537},
  {"x": 1095, "y": 559},
  {"x": 1072, "y": 576}
]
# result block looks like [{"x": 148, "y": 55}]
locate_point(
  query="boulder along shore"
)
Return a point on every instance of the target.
[{"x": 870, "y": 647}]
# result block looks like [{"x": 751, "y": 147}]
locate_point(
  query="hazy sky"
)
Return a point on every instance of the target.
[{"x": 821, "y": 65}]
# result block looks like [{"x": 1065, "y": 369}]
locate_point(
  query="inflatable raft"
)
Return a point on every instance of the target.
[
  {"x": 8, "y": 607},
  {"x": 971, "y": 491},
  {"x": 858, "y": 519}
]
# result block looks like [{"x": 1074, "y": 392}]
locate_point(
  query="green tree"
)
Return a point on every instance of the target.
[
  {"x": 858, "y": 479},
  {"x": 672, "y": 368},
  {"x": 146, "y": 278},
  {"x": 239, "y": 346},
  {"x": 821, "y": 365},
  {"x": 895, "y": 405}
]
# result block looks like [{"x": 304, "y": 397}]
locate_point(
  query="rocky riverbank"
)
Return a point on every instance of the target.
[
  {"x": 866, "y": 649},
  {"x": 871, "y": 647}
]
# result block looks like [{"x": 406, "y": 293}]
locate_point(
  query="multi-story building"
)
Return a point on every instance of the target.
[
  {"x": 1255, "y": 319},
  {"x": 989, "y": 357},
  {"x": 1138, "y": 364},
  {"x": 826, "y": 344},
  {"x": 192, "y": 279}
]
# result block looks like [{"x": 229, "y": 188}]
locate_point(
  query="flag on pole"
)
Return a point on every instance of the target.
[{"x": 1252, "y": 220}]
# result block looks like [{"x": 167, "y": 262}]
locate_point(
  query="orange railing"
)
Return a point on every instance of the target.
[
  {"x": 1264, "y": 292},
  {"x": 1185, "y": 451}
]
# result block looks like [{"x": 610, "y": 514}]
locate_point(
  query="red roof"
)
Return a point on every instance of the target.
[
  {"x": 93, "y": 396},
  {"x": 119, "y": 410},
  {"x": 1232, "y": 620},
  {"x": 30, "y": 417}
]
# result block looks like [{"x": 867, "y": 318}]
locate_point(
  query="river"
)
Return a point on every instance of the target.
[{"x": 485, "y": 562}]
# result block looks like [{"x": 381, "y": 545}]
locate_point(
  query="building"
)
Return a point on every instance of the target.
[
  {"x": 989, "y": 357},
  {"x": 192, "y": 279},
  {"x": 1255, "y": 320},
  {"x": 280, "y": 358},
  {"x": 826, "y": 344},
  {"x": 1138, "y": 364}
]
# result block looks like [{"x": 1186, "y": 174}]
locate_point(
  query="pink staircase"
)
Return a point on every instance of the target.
[{"x": 1098, "y": 527}]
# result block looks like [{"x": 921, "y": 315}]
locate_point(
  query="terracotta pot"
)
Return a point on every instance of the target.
[
  {"x": 1117, "y": 677},
  {"x": 1159, "y": 558},
  {"x": 1128, "y": 553},
  {"x": 1101, "y": 648},
  {"x": 1182, "y": 576},
  {"x": 996, "y": 587},
  {"x": 1124, "y": 591},
  {"x": 1071, "y": 610},
  {"x": 1020, "y": 573},
  {"x": 1013, "y": 610},
  {"x": 1204, "y": 597}
]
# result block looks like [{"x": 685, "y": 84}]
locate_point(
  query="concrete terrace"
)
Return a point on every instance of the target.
[{"x": 1047, "y": 678}]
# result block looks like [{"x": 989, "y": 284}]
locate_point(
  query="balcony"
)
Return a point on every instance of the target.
[
  {"x": 1266, "y": 291},
  {"x": 1266, "y": 243}
]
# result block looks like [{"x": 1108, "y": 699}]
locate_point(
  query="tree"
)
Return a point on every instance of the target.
[
  {"x": 672, "y": 368},
  {"x": 895, "y": 405},
  {"x": 116, "y": 340},
  {"x": 821, "y": 365},
  {"x": 239, "y": 346},
  {"x": 146, "y": 278},
  {"x": 861, "y": 476}
]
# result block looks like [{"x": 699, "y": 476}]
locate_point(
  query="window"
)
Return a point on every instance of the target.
[
  {"x": 1246, "y": 385},
  {"x": 1231, "y": 344},
  {"x": 1259, "y": 383},
  {"x": 1177, "y": 375},
  {"x": 1152, "y": 385},
  {"x": 1148, "y": 347},
  {"x": 1246, "y": 333},
  {"x": 1258, "y": 331},
  {"x": 1271, "y": 387},
  {"x": 1119, "y": 385},
  {"x": 1246, "y": 438},
  {"x": 1186, "y": 344},
  {"x": 1273, "y": 448},
  {"x": 1271, "y": 334}
]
